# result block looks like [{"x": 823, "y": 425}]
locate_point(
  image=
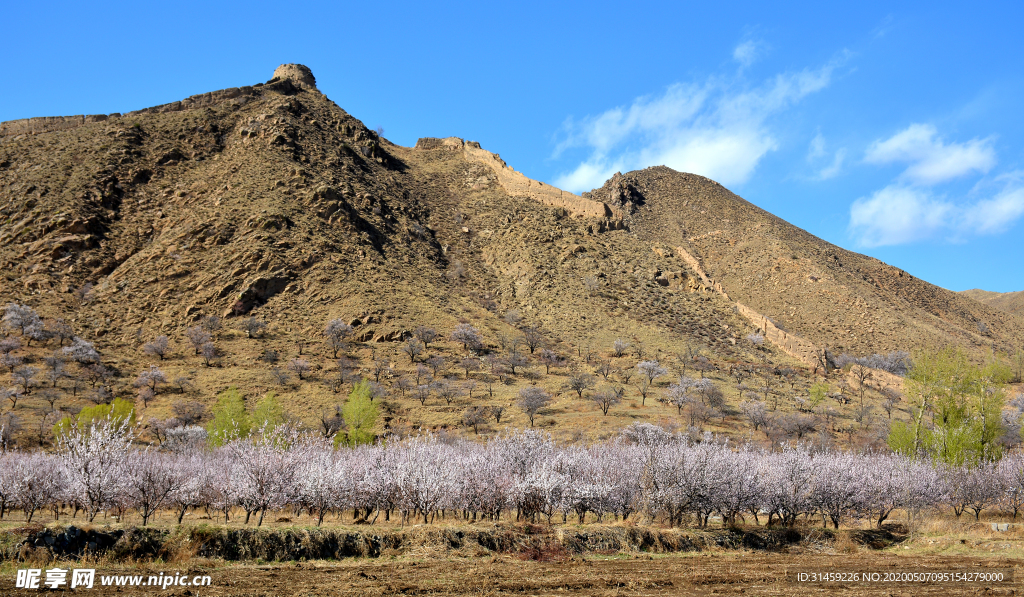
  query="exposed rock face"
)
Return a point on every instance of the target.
[{"x": 299, "y": 74}]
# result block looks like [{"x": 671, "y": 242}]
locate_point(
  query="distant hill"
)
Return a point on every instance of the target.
[{"x": 1007, "y": 301}]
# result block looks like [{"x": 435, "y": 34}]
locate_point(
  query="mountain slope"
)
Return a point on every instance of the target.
[
  {"x": 1006, "y": 301},
  {"x": 828, "y": 295},
  {"x": 272, "y": 202}
]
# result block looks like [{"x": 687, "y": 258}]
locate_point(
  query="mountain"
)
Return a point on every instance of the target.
[
  {"x": 1012, "y": 302},
  {"x": 271, "y": 201}
]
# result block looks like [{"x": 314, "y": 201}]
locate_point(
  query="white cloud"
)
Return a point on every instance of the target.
[
  {"x": 835, "y": 167},
  {"x": 931, "y": 160},
  {"x": 747, "y": 53},
  {"x": 897, "y": 215},
  {"x": 717, "y": 129},
  {"x": 992, "y": 216},
  {"x": 900, "y": 214},
  {"x": 908, "y": 210},
  {"x": 817, "y": 150}
]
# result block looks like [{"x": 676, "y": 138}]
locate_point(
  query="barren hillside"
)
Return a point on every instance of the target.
[
  {"x": 272, "y": 202},
  {"x": 1007, "y": 301},
  {"x": 828, "y": 295}
]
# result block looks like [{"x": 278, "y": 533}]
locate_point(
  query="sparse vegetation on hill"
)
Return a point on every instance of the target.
[{"x": 263, "y": 239}]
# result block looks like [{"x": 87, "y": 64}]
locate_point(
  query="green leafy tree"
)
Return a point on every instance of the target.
[
  {"x": 360, "y": 414},
  {"x": 117, "y": 412},
  {"x": 269, "y": 413},
  {"x": 957, "y": 410},
  {"x": 229, "y": 420},
  {"x": 818, "y": 393}
]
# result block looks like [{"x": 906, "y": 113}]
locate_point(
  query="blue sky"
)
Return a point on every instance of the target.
[{"x": 895, "y": 131}]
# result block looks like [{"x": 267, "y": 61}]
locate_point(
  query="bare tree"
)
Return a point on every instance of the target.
[
  {"x": 62, "y": 331},
  {"x": 469, "y": 365},
  {"x": 891, "y": 397},
  {"x": 254, "y": 328},
  {"x": 336, "y": 333},
  {"x": 281, "y": 376},
  {"x": 184, "y": 382},
  {"x": 211, "y": 323},
  {"x": 549, "y": 359},
  {"x": 209, "y": 353},
  {"x": 160, "y": 346},
  {"x": 299, "y": 367},
  {"x": 447, "y": 391},
  {"x": 197, "y": 337},
  {"x": 579, "y": 382},
  {"x": 55, "y": 370},
  {"x": 425, "y": 334},
  {"x": 270, "y": 356},
  {"x": 475, "y": 417},
  {"x": 797, "y": 425},
  {"x": 703, "y": 364},
  {"x": 9, "y": 345},
  {"x": 514, "y": 361},
  {"x": 381, "y": 368},
  {"x": 532, "y": 400},
  {"x": 20, "y": 317},
  {"x": 150, "y": 378},
  {"x": 190, "y": 412},
  {"x": 755, "y": 412},
  {"x": 619, "y": 347},
  {"x": 604, "y": 369},
  {"x": 25, "y": 376},
  {"x": 605, "y": 399},
  {"x": 862, "y": 374},
  {"x": 533, "y": 337},
  {"x": 497, "y": 412},
  {"x": 11, "y": 394},
  {"x": 331, "y": 421},
  {"x": 422, "y": 393},
  {"x": 466, "y": 335},
  {"x": 403, "y": 385},
  {"x": 414, "y": 348},
  {"x": 146, "y": 394},
  {"x": 82, "y": 352},
  {"x": 647, "y": 372},
  {"x": 639, "y": 349},
  {"x": 513, "y": 318},
  {"x": 438, "y": 365}
]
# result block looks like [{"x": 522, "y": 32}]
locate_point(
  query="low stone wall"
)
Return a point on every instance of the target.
[
  {"x": 518, "y": 185},
  {"x": 794, "y": 346}
]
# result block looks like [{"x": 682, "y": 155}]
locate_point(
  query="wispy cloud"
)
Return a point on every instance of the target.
[
  {"x": 931, "y": 160},
  {"x": 817, "y": 152},
  {"x": 900, "y": 214},
  {"x": 717, "y": 128},
  {"x": 910, "y": 209},
  {"x": 748, "y": 52}
]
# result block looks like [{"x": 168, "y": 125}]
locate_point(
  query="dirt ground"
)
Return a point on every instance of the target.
[{"x": 745, "y": 573}]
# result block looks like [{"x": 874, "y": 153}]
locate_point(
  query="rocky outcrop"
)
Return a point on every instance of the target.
[{"x": 299, "y": 74}]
